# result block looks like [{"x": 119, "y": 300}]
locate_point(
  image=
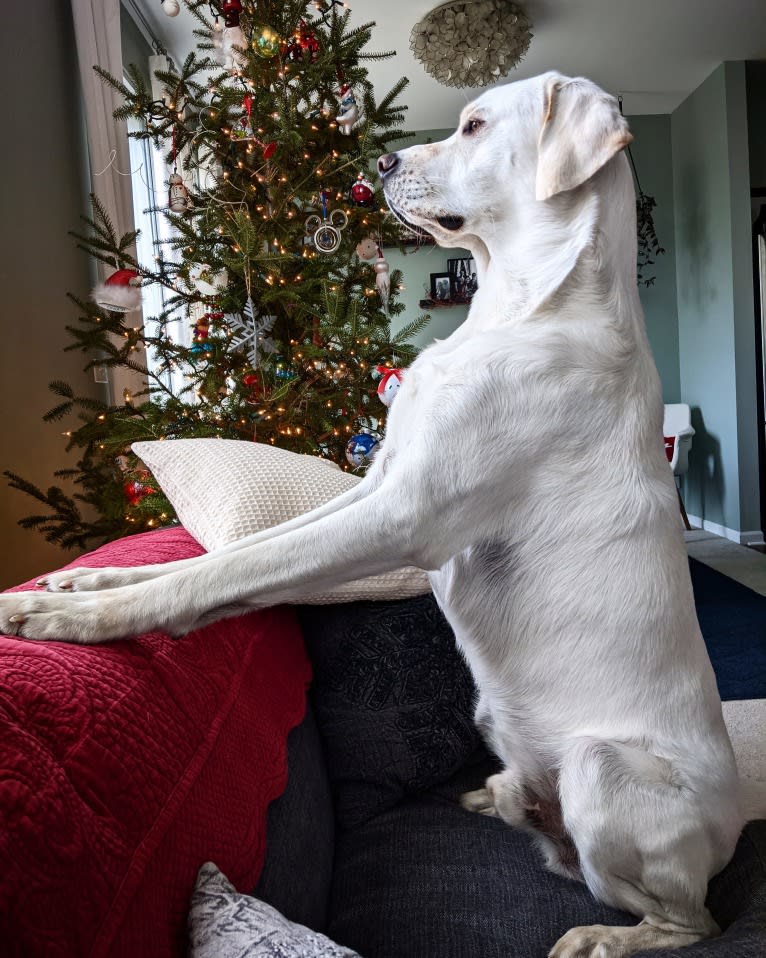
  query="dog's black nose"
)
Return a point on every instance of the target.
[{"x": 387, "y": 164}]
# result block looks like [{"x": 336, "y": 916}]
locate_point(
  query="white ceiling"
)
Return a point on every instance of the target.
[{"x": 654, "y": 52}]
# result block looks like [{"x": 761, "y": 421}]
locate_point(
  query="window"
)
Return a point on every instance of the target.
[{"x": 148, "y": 178}]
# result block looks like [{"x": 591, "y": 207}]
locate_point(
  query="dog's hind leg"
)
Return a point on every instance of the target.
[
  {"x": 535, "y": 809},
  {"x": 644, "y": 846}
]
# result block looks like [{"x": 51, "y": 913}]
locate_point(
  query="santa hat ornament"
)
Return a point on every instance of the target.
[
  {"x": 120, "y": 293},
  {"x": 388, "y": 387}
]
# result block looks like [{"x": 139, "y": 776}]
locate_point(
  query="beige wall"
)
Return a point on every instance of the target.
[{"x": 42, "y": 195}]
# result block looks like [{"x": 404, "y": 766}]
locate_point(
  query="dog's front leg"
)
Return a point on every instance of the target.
[
  {"x": 334, "y": 549},
  {"x": 84, "y": 579}
]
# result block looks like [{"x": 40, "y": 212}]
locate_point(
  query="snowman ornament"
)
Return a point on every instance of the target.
[{"x": 179, "y": 199}]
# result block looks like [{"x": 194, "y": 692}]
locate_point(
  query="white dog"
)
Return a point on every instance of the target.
[{"x": 524, "y": 465}]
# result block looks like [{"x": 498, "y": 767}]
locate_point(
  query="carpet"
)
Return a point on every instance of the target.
[
  {"x": 746, "y": 724},
  {"x": 733, "y": 622}
]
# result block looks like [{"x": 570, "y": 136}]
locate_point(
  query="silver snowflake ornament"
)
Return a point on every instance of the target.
[{"x": 249, "y": 332}]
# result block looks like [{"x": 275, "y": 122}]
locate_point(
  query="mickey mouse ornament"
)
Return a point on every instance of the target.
[{"x": 325, "y": 232}]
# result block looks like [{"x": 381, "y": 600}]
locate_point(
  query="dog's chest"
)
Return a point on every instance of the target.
[{"x": 434, "y": 388}]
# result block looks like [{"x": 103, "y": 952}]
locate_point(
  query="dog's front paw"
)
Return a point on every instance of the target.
[
  {"x": 87, "y": 580},
  {"x": 68, "y": 618}
]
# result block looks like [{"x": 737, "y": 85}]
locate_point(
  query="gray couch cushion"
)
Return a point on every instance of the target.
[
  {"x": 430, "y": 880},
  {"x": 300, "y": 834},
  {"x": 394, "y": 701}
]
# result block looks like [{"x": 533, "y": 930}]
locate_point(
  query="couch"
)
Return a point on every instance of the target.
[{"x": 125, "y": 767}]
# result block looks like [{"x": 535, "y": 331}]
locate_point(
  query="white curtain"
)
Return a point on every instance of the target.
[
  {"x": 98, "y": 39},
  {"x": 97, "y": 33}
]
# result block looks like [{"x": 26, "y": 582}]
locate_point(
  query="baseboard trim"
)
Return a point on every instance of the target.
[{"x": 734, "y": 535}]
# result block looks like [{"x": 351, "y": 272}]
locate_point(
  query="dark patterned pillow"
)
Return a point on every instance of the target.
[{"x": 393, "y": 698}]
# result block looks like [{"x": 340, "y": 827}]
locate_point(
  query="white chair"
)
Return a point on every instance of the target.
[{"x": 677, "y": 429}]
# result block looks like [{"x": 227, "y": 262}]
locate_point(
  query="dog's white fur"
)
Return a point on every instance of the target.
[{"x": 524, "y": 465}]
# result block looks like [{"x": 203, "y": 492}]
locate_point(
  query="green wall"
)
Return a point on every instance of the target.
[
  {"x": 417, "y": 263},
  {"x": 715, "y": 304},
  {"x": 651, "y": 149}
]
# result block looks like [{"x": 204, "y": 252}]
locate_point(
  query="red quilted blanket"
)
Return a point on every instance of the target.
[{"x": 125, "y": 766}]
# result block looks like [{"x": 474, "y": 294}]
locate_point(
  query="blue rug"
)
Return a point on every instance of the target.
[{"x": 733, "y": 622}]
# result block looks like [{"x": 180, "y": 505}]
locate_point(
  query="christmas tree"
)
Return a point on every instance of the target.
[{"x": 276, "y": 297}]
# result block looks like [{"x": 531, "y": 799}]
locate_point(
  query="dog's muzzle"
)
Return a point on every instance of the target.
[{"x": 388, "y": 164}]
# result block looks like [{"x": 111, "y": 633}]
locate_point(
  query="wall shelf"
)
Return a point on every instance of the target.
[{"x": 441, "y": 304}]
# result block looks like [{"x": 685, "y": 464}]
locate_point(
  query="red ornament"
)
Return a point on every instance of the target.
[
  {"x": 231, "y": 10},
  {"x": 246, "y": 129},
  {"x": 308, "y": 43},
  {"x": 255, "y": 385},
  {"x": 302, "y": 47},
  {"x": 135, "y": 491},
  {"x": 362, "y": 192}
]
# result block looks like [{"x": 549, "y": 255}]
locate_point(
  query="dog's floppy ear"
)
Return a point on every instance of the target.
[{"x": 582, "y": 130}]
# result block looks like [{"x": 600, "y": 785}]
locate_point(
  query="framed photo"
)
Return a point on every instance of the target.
[
  {"x": 464, "y": 284},
  {"x": 441, "y": 287}
]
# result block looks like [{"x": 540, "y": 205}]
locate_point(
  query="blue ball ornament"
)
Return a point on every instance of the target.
[{"x": 361, "y": 448}]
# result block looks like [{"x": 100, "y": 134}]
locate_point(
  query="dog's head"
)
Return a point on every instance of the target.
[{"x": 521, "y": 144}]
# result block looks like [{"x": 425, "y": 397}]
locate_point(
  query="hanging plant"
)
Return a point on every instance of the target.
[{"x": 648, "y": 245}]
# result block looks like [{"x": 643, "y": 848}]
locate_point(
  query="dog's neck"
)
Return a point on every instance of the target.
[{"x": 556, "y": 256}]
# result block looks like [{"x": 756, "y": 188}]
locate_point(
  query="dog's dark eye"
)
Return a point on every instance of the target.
[{"x": 472, "y": 126}]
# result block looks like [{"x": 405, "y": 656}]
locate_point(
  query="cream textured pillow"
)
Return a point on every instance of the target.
[{"x": 224, "y": 489}]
